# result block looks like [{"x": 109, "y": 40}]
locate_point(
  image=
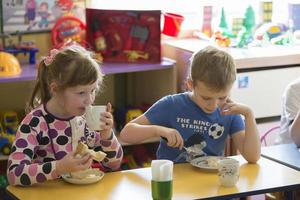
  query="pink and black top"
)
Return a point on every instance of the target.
[{"x": 42, "y": 139}]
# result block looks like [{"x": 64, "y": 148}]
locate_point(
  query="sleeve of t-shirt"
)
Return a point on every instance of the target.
[
  {"x": 237, "y": 124},
  {"x": 159, "y": 112},
  {"x": 292, "y": 103}
]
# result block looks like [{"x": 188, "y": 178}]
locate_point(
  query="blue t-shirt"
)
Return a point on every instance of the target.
[{"x": 207, "y": 132}]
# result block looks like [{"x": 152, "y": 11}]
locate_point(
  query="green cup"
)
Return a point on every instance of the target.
[{"x": 162, "y": 190}]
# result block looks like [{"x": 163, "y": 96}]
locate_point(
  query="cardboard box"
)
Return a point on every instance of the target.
[{"x": 125, "y": 35}]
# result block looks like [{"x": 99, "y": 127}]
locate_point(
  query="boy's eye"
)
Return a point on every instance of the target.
[
  {"x": 222, "y": 98},
  {"x": 81, "y": 93}
]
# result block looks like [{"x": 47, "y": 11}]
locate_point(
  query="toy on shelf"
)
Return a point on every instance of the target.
[
  {"x": 172, "y": 24},
  {"x": 5, "y": 145},
  {"x": 132, "y": 114},
  {"x": 265, "y": 11},
  {"x": 245, "y": 36},
  {"x": 133, "y": 55},
  {"x": 22, "y": 47},
  {"x": 207, "y": 19},
  {"x": 9, "y": 65},
  {"x": 68, "y": 29},
  {"x": 221, "y": 39},
  {"x": 125, "y": 35},
  {"x": 10, "y": 122}
]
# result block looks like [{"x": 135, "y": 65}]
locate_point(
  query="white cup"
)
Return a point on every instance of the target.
[
  {"x": 92, "y": 115},
  {"x": 228, "y": 172}
]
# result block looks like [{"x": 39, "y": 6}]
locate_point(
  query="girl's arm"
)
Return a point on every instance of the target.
[{"x": 21, "y": 169}]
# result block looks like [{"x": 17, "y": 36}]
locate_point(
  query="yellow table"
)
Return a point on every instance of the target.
[{"x": 189, "y": 183}]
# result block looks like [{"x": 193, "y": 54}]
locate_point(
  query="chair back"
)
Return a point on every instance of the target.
[{"x": 266, "y": 135}]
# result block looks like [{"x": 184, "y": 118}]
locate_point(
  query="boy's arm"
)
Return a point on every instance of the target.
[
  {"x": 295, "y": 130},
  {"x": 140, "y": 129},
  {"x": 248, "y": 141},
  {"x": 137, "y": 130}
]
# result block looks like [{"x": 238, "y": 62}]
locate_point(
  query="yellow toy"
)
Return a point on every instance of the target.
[
  {"x": 9, "y": 65},
  {"x": 131, "y": 114}
]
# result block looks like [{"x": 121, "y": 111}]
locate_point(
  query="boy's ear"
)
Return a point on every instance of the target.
[{"x": 189, "y": 84}]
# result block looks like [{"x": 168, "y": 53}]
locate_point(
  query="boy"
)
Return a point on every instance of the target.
[{"x": 199, "y": 120}]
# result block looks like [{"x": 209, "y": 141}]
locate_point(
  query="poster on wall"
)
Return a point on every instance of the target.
[{"x": 27, "y": 16}]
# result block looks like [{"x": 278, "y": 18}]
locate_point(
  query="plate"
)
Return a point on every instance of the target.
[
  {"x": 92, "y": 176},
  {"x": 207, "y": 163}
]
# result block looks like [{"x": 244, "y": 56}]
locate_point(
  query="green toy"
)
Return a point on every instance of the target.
[
  {"x": 223, "y": 23},
  {"x": 245, "y": 34},
  {"x": 3, "y": 182}
]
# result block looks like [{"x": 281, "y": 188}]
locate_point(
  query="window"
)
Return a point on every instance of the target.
[{"x": 192, "y": 10}]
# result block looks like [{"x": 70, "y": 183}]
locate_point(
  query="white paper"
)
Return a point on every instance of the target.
[{"x": 162, "y": 170}]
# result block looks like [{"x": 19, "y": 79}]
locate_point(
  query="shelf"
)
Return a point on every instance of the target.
[{"x": 29, "y": 72}]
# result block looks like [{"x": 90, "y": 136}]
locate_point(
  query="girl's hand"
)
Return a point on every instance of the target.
[
  {"x": 70, "y": 163},
  {"x": 107, "y": 122},
  {"x": 172, "y": 137},
  {"x": 231, "y": 107}
]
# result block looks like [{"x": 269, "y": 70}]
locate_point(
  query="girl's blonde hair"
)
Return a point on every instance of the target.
[
  {"x": 214, "y": 67},
  {"x": 69, "y": 67}
]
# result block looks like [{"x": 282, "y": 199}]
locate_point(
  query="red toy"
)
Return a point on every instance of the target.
[
  {"x": 68, "y": 29},
  {"x": 125, "y": 35}
]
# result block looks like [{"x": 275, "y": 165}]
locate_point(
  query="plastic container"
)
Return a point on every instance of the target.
[{"x": 172, "y": 24}]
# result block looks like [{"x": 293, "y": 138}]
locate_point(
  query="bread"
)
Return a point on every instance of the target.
[
  {"x": 88, "y": 173},
  {"x": 83, "y": 149}
]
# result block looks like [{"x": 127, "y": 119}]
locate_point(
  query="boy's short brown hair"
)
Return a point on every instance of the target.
[{"x": 214, "y": 67}]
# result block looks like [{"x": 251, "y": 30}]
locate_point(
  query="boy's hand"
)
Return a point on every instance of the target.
[
  {"x": 231, "y": 107},
  {"x": 172, "y": 137},
  {"x": 108, "y": 122},
  {"x": 70, "y": 163}
]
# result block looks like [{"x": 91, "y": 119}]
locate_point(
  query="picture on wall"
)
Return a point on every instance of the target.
[{"x": 38, "y": 15}]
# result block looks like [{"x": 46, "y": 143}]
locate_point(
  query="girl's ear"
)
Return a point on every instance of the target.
[
  {"x": 189, "y": 84},
  {"x": 53, "y": 88}
]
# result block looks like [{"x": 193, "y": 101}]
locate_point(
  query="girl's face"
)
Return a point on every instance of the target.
[
  {"x": 207, "y": 99},
  {"x": 74, "y": 100}
]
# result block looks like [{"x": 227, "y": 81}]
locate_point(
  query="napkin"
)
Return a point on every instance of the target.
[{"x": 162, "y": 170}]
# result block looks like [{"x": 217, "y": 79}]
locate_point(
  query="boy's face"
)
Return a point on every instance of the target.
[{"x": 206, "y": 98}]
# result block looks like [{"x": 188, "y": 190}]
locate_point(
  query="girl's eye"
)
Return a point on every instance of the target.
[
  {"x": 223, "y": 98},
  {"x": 81, "y": 93}
]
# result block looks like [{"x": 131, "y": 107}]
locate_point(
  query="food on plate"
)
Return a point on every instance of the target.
[
  {"x": 195, "y": 149},
  {"x": 212, "y": 161},
  {"x": 83, "y": 149},
  {"x": 85, "y": 174}
]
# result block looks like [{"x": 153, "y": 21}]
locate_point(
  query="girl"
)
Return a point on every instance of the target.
[{"x": 47, "y": 137}]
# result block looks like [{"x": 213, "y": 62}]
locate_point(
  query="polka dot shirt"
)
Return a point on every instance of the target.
[{"x": 42, "y": 139}]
